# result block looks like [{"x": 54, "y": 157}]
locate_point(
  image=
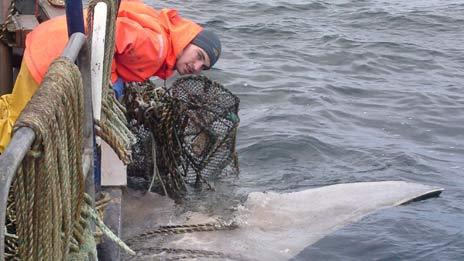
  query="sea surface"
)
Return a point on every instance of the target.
[{"x": 347, "y": 91}]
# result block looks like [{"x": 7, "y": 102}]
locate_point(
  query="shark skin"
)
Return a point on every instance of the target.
[{"x": 275, "y": 226}]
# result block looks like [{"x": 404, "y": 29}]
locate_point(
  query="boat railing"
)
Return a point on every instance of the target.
[{"x": 76, "y": 50}]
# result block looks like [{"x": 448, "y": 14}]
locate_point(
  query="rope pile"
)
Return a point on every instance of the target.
[{"x": 47, "y": 191}]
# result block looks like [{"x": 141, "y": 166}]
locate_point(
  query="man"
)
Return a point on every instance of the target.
[{"x": 148, "y": 43}]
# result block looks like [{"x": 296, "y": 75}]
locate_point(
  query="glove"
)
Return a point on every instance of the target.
[{"x": 118, "y": 88}]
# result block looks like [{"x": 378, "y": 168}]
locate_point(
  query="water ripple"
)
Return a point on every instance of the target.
[{"x": 343, "y": 91}]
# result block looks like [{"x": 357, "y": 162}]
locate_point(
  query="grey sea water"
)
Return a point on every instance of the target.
[{"x": 343, "y": 91}]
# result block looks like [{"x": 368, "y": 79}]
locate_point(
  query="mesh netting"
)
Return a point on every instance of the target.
[{"x": 193, "y": 125}]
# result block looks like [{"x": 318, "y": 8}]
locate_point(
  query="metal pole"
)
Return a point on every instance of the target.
[
  {"x": 4, "y": 6},
  {"x": 6, "y": 69},
  {"x": 75, "y": 43},
  {"x": 9, "y": 162},
  {"x": 6, "y": 73},
  {"x": 74, "y": 17}
]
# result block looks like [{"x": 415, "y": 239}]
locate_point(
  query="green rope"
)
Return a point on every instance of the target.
[
  {"x": 113, "y": 123},
  {"x": 108, "y": 233},
  {"x": 48, "y": 187}
]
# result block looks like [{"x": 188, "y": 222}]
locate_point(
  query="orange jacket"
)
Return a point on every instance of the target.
[{"x": 147, "y": 42}]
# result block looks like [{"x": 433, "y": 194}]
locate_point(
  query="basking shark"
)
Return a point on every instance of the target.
[{"x": 270, "y": 225}]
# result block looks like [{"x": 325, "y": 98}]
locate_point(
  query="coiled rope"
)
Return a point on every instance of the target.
[{"x": 48, "y": 188}]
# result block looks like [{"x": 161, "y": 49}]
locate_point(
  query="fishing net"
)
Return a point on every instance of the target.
[{"x": 193, "y": 125}]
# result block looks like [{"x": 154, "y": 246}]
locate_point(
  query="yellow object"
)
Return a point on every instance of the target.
[{"x": 11, "y": 105}]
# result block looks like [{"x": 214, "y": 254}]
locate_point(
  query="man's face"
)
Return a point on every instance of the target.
[{"x": 192, "y": 60}]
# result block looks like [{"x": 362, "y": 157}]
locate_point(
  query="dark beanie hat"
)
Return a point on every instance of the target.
[{"x": 210, "y": 43}]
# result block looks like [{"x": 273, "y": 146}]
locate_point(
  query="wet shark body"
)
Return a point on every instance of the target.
[{"x": 269, "y": 226}]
